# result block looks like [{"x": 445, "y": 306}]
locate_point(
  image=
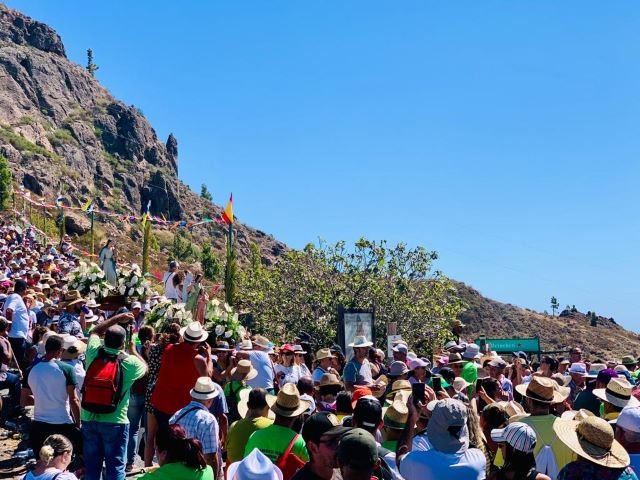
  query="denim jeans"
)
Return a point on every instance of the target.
[
  {"x": 135, "y": 413},
  {"x": 104, "y": 442},
  {"x": 12, "y": 382}
]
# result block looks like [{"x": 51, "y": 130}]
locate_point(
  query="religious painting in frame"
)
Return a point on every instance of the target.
[{"x": 353, "y": 323}]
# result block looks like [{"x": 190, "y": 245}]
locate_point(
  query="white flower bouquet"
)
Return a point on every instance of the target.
[
  {"x": 131, "y": 283},
  {"x": 222, "y": 321},
  {"x": 167, "y": 312},
  {"x": 90, "y": 281}
]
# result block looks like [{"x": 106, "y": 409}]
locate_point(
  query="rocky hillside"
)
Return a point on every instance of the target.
[
  {"x": 499, "y": 320},
  {"x": 63, "y": 132}
]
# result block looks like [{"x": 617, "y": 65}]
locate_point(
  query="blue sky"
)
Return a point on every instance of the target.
[{"x": 502, "y": 134}]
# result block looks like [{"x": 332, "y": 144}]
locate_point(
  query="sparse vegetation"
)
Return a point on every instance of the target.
[
  {"x": 5, "y": 183},
  {"x": 61, "y": 136},
  {"x": 91, "y": 66},
  {"x": 26, "y": 120},
  {"x": 21, "y": 144}
]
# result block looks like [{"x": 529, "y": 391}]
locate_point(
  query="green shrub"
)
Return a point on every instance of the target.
[
  {"x": 61, "y": 136},
  {"x": 23, "y": 145}
]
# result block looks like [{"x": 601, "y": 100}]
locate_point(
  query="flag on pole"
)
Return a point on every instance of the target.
[
  {"x": 88, "y": 207},
  {"x": 59, "y": 201},
  {"x": 147, "y": 214},
  {"x": 227, "y": 215}
]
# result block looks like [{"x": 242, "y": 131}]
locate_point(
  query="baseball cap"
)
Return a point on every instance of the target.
[
  {"x": 605, "y": 375},
  {"x": 629, "y": 419},
  {"x": 357, "y": 449},
  {"x": 517, "y": 434},
  {"x": 498, "y": 363},
  {"x": 368, "y": 412},
  {"x": 322, "y": 423},
  {"x": 401, "y": 348},
  {"x": 358, "y": 393}
]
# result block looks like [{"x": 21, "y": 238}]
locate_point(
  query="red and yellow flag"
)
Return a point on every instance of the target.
[{"x": 227, "y": 215}]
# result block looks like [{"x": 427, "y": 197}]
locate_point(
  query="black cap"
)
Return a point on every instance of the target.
[
  {"x": 358, "y": 450},
  {"x": 322, "y": 423},
  {"x": 368, "y": 413}
]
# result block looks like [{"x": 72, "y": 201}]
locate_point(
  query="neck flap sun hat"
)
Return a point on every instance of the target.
[
  {"x": 255, "y": 466},
  {"x": 544, "y": 390},
  {"x": 287, "y": 403},
  {"x": 360, "y": 341},
  {"x": 592, "y": 439},
  {"x": 618, "y": 393}
]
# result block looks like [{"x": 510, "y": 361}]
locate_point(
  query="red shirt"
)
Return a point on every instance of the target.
[{"x": 176, "y": 378}]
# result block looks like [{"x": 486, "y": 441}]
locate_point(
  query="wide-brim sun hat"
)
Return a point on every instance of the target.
[
  {"x": 243, "y": 407},
  {"x": 592, "y": 439},
  {"x": 323, "y": 353},
  {"x": 287, "y": 403},
  {"x": 360, "y": 341},
  {"x": 243, "y": 371},
  {"x": 544, "y": 390},
  {"x": 255, "y": 466},
  {"x": 618, "y": 393},
  {"x": 472, "y": 352},
  {"x": 194, "y": 333},
  {"x": 262, "y": 342},
  {"x": 204, "y": 389}
]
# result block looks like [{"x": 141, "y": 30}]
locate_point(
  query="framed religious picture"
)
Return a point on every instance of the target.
[{"x": 354, "y": 323}]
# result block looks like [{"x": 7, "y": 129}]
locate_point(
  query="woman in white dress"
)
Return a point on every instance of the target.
[{"x": 107, "y": 258}]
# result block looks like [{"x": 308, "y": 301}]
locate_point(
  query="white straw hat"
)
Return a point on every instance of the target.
[{"x": 204, "y": 389}]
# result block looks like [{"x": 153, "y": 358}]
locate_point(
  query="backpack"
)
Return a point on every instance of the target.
[
  {"x": 289, "y": 463},
  {"x": 382, "y": 470},
  {"x": 102, "y": 388}
]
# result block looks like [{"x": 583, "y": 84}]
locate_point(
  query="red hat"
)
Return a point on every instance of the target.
[
  {"x": 358, "y": 393},
  {"x": 287, "y": 348}
]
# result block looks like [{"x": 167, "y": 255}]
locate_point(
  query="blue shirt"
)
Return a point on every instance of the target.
[{"x": 200, "y": 424}]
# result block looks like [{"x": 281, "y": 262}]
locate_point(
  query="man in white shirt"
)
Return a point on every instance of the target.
[
  {"x": 261, "y": 361},
  {"x": 57, "y": 406},
  {"x": 16, "y": 312},
  {"x": 167, "y": 279}
]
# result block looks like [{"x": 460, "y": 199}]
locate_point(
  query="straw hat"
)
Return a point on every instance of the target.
[
  {"x": 577, "y": 416},
  {"x": 513, "y": 409},
  {"x": 243, "y": 407},
  {"x": 72, "y": 297},
  {"x": 454, "y": 359},
  {"x": 243, "y": 371},
  {"x": 329, "y": 380},
  {"x": 194, "y": 333},
  {"x": 400, "y": 385},
  {"x": 379, "y": 386},
  {"x": 618, "y": 393},
  {"x": 395, "y": 417},
  {"x": 204, "y": 389},
  {"x": 459, "y": 384},
  {"x": 246, "y": 345},
  {"x": 490, "y": 356},
  {"x": 360, "y": 341},
  {"x": 288, "y": 402},
  {"x": 323, "y": 353},
  {"x": 592, "y": 439},
  {"x": 543, "y": 390},
  {"x": 262, "y": 342}
]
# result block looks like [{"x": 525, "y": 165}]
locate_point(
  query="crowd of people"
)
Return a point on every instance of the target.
[{"x": 181, "y": 404}]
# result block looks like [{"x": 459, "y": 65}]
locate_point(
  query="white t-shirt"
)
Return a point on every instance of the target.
[
  {"x": 20, "y": 320},
  {"x": 48, "y": 382},
  {"x": 169, "y": 290},
  {"x": 262, "y": 363},
  {"x": 291, "y": 374},
  {"x": 80, "y": 372},
  {"x": 50, "y": 475},
  {"x": 435, "y": 465}
]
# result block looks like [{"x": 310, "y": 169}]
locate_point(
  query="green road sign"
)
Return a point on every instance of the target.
[{"x": 508, "y": 345}]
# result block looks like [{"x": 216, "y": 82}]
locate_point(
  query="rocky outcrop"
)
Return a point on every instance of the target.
[{"x": 62, "y": 131}]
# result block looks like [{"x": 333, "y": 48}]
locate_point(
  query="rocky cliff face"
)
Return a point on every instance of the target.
[{"x": 63, "y": 132}]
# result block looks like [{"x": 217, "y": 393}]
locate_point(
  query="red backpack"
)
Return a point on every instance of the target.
[
  {"x": 289, "y": 463},
  {"x": 102, "y": 388}
]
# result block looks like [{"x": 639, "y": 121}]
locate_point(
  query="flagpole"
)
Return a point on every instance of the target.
[
  {"x": 92, "y": 239},
  {"x": 61, "y": 224},
  {"x": 44, "y": 219}
]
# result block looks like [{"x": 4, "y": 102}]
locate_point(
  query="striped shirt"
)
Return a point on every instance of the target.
[{"x": 200, "y": 424}]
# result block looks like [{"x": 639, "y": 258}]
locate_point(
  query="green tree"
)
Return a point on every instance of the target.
[
  {"x": 182, "y": 248},
  {"x": 91, "y": 67},
  {"x": 5, "y": 183},
  {"x": 145, "y": 247},
  {"x": 209, "y": 262},
  {"x": 303, "y": 290},
  {"x": 555, "y": 305},
  {"x": 230, "y": 271},
  {"x": 594, "y": 319},
  {"x": 204, "y": 193}
]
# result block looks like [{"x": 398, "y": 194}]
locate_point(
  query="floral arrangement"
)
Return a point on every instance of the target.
[
  {"x": 132, "y": 283},
  {"x": 221, "y": 320},
  {"x": 90, "y": 281},
  {"x": 168, "y": 312}
]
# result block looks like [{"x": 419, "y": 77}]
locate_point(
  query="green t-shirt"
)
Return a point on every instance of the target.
[
  {"x": 178, "y": 471},
  {"x": 132, "y": 369},
  {"x": 273, "y": 442},
  {"x": 240, "y": 432},
  {"x": 237, "y": 387}
]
